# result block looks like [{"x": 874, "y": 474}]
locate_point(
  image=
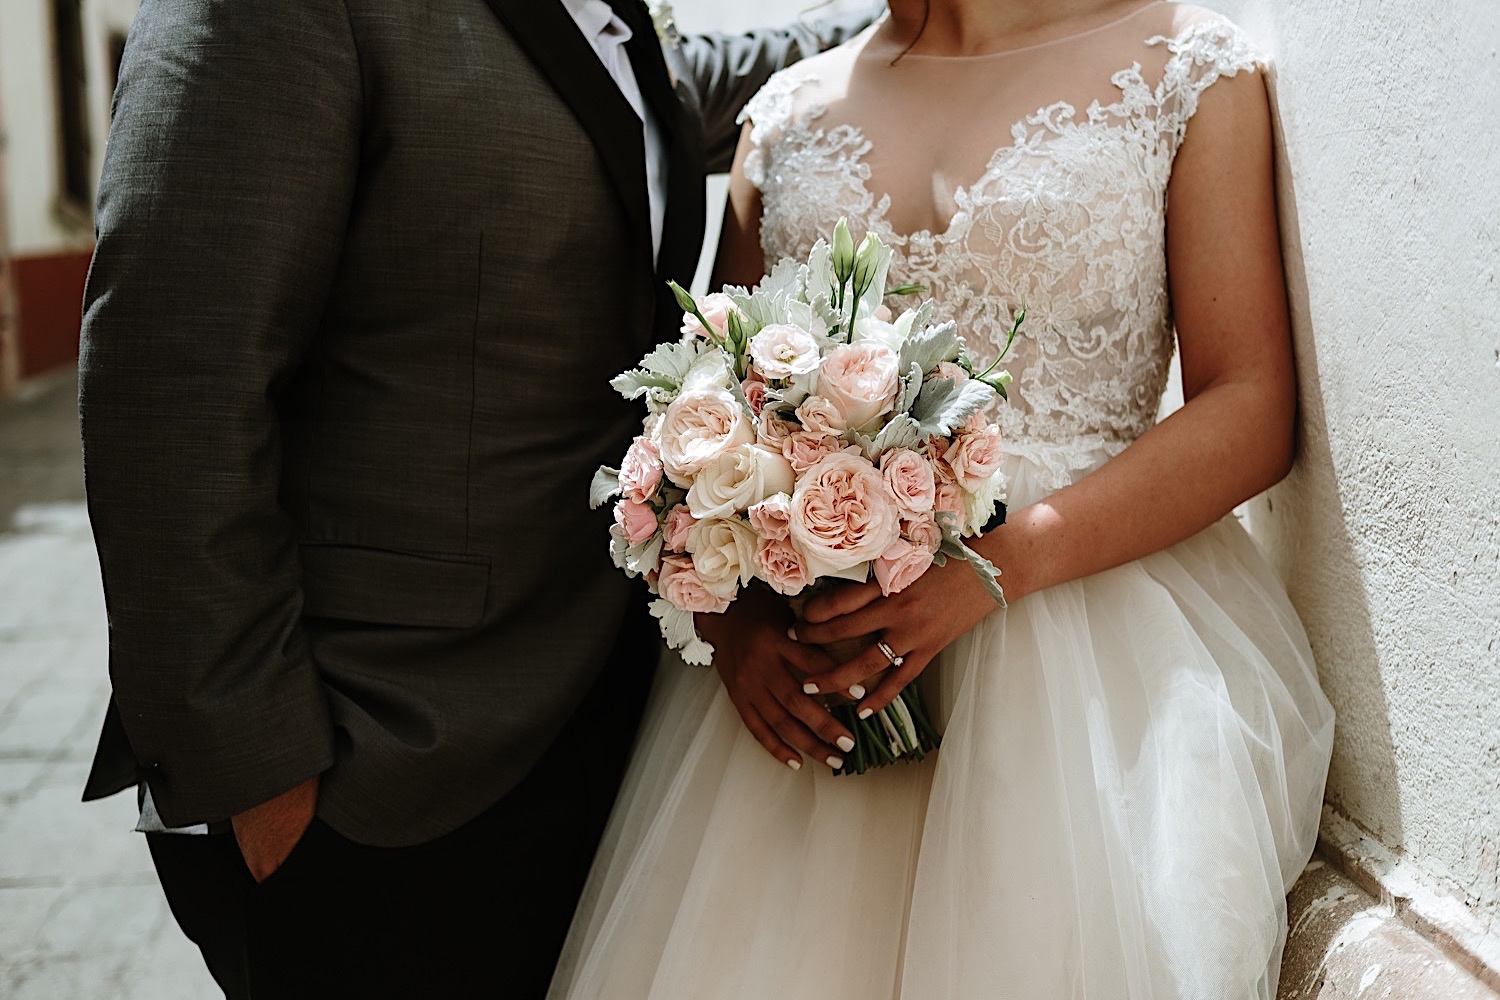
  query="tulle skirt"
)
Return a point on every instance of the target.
[{"x": 1129, "y": 783}]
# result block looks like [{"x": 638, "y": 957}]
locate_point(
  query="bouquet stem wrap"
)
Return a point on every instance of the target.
[{"x": 900, "y": 731}]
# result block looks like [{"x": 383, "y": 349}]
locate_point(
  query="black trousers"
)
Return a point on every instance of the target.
[{"x": 479, "y": 912}]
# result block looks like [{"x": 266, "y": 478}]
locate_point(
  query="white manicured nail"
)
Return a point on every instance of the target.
[
  {"x": 856, "y": 690},
  {"x": 791, "y": 633},
  {"x": 845, "y": 743},
  {"x": 865, "y": 713},
  {"x": 794, "y": 764},
  {"x": 835, "y": 761},
  {"x": 810, "y": 688}
]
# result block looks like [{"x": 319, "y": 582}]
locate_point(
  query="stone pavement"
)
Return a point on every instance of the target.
[{"x": 81, "y": 915}]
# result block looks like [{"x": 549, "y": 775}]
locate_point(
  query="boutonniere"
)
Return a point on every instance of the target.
[{"x": 665, "y": 23}]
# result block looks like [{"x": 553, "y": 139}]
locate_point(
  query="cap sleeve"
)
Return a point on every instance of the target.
[
  {"x": 769, "y": 112},
  {"x": 1199, "y": 55}
]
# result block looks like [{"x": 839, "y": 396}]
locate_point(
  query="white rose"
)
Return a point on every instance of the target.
[
  {"x": 723, "y": 551},
  {"x": 737, "y": 479},
  {"x": 697, "y": 428},
  {"x": 979, "y": 506},
  {"x": 781, "y": 350}
]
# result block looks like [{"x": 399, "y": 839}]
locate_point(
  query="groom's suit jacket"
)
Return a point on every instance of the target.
[{"x": 364, "y": 270}]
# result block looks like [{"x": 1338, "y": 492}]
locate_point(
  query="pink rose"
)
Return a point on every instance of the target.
[
  {"x": 899, "y": 566},
  {"x": 698, "y": 427},
  {"x": 675, "y": 527},
  {"x": 923, "y": 530},
  {"x": 680, "y": 585},
  {"x": 772, "y": 517},
  {"x": 950, "y": 499},
  {"x": 950, "y": 370},
  {"x": 715, "y": 308},
  {"x": 637, "y": 520},
  {"x": 773, "y": 432},
  {"x": 909, "y": 478},
  {"x": 820, "y": 416},
  {"x": 805, "y": 450},
  {"x": 640, "y": 472},
  {"x": 781, "y": 350},
  {"x": 755, "y": 394},
  {"x": 861, "y": 379},
  {"x": 782, "y": 566},
  {"x": 974, "y": 457},
  {"x": 842, "y": 515}
]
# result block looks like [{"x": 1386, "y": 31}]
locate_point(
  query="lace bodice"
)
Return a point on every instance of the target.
[{"x": 1067, "y": 215}]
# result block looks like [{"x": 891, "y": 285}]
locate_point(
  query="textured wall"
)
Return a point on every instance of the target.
[
  {"x": 1387, "y": 532},
  {"x": 28, "y": 86}
]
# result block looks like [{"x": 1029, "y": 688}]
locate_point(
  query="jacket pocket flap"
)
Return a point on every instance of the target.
[{"x": 393, "y": 588}]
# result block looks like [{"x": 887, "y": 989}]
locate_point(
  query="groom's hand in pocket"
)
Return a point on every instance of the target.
[
  {"x": 267, "y": 833},
  {"x": 763, "y": 672}
]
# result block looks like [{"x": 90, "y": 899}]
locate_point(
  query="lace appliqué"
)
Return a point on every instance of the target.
[{"x": 1069, "y": 219}]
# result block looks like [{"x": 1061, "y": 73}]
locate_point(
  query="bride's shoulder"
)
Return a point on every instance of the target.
[
  {"x": 803, "y": 89},
  {"x": 1204, "y": 35}
]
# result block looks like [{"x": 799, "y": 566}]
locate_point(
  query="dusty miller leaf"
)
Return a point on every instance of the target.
[
  {"x": 944, "y": 405},
  {"x": 606, "y": 484},
  {"x": 931, "y": 346}
]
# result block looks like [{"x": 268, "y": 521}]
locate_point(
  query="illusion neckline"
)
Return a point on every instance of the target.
[{"x": 1115, "y": 23}]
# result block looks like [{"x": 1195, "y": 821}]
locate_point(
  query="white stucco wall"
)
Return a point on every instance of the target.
[
  {"x": 1387, "y": 531},
  {"x": 28, "y": 87}
]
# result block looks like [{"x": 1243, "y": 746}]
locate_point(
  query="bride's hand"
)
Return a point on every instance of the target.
[
  {"x": 916, "y": 623},
  {"x": 762, "y": 670}
]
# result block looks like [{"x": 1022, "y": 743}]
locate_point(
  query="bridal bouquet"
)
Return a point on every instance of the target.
[{"x": 800, "y": 433}]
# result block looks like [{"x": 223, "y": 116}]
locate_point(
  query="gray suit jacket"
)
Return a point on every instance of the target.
[{"x": 364, "y": 270}]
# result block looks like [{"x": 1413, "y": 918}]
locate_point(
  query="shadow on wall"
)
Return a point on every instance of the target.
[{"x": 1302, "y": 525}]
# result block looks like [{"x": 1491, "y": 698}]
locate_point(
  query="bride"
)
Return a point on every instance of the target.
[{"x": 1135, "y": 748}]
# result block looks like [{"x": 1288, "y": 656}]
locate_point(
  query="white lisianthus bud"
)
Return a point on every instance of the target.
[{"x": 843, "y": 251}]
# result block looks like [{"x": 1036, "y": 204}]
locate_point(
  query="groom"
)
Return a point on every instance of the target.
[{"x": 364, "y": 270}]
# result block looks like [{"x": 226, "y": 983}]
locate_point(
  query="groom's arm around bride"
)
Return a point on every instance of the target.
[{"x": 364, "y": 270}]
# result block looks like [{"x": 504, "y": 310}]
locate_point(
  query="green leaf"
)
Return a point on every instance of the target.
[
  {"x": 606, "y": 484},
  {"x": 901, "y": 432},
  {"x": 673, "y": 360},
  {"x": 954, "y": 548},
  {"x": 906, "y": 290},
  {"x": 678, "y": 629},
  {"x": 943, "y": 405},
  {"x": 912, "y": 388},
  {"x": 931, "y": 346},
  {"x": 636, "y": 382}
]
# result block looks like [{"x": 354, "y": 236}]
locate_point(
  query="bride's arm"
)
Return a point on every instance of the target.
[
  {"x": 762, "y": 668},
  {"x": 739, "y": 260},
  {"x": 1231, "y": 439}
]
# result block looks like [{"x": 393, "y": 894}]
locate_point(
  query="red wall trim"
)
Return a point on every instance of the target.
[{"x": 49, "y": 308}]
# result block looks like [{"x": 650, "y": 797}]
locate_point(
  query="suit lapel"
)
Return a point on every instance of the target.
[{"x": 552, "y": 39}]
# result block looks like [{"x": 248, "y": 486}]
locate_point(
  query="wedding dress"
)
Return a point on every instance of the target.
[{"x": 1133, "y": 763}]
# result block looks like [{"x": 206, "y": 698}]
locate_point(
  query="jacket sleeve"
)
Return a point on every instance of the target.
[
  {"x": 226, "y": 190},
  {"x": 724, "y": 71}
]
